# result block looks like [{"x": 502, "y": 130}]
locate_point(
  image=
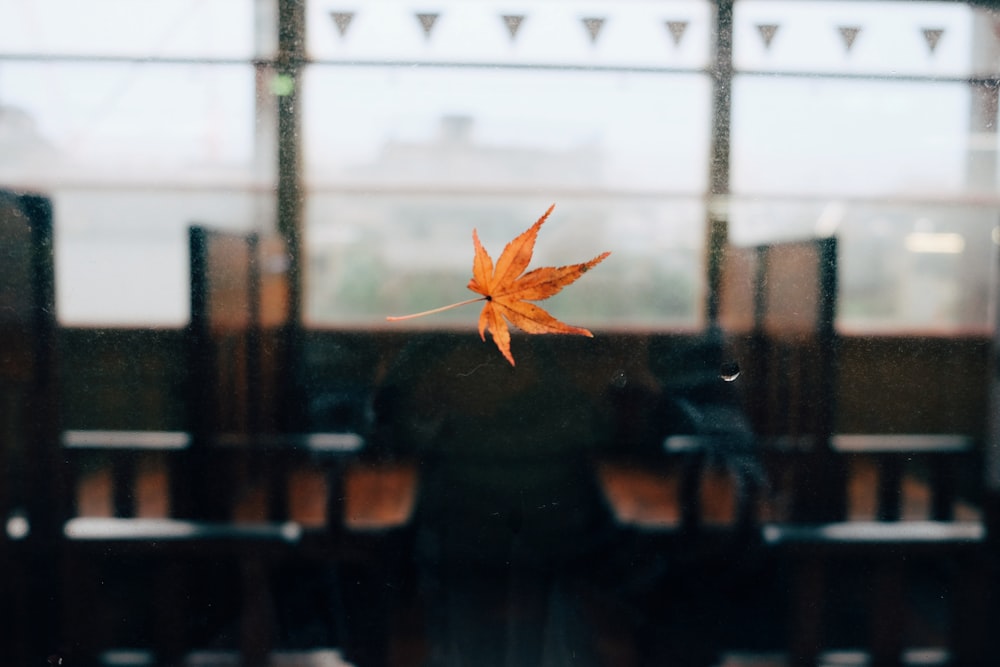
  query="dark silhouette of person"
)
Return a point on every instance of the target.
[{"x": 510, "y": 524}]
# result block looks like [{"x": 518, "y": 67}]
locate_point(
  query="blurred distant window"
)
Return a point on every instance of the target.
[
  {"x": 417, "y": 159},
  {"x": 137, "y": 119},
  {"x": 874, "y": 121},
  {"x": 472, "y": 117}
]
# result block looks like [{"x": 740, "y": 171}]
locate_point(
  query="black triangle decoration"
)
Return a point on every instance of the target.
[
  {"x": 849, "y": 33},
  {"x": 932, "y": 36},
  {"x": 342, "y": 20},
  {"x": 767, "y": 31},
  {"x": 593, "y": 26},
  {"x": 427, "y": 22},
  {"x": 513, "y": 23},
  {"x": 677, "y": 29}
]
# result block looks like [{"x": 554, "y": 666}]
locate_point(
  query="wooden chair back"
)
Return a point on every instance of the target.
[
  {"x": 791, "y": 394},
  {"x": 777, "y": 310},
  {"x": 29, "y": 473}
]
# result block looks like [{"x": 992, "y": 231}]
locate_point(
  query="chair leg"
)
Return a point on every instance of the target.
[
  {"x": 170, "y": 641},
  {"x": 972, "y": 600},
  {"x": 806, "y": 617},
  {"x": 257, "y": 623},
  {"x": 887, "y": 618}
]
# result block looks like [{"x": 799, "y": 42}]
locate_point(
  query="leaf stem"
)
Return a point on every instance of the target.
[{"x": 436, "y": 310}]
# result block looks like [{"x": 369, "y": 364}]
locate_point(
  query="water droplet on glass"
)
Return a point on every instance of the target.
[
  {"x": 729, "y": 371},
  {"x": 619, "y": 379}
]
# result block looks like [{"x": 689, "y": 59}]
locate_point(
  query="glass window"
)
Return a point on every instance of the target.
[
  {"x": 861, "y": 120},
  {"x": 919, "y": 267},
  {"x": 630, "y": 33},
  {"x": 131, "y": 153},
  {"x": 126, "y": 121},
  {"x": 401, "y": 252},
  {"x": 419, "y": 130},
  {"x": 816, "y": 136},
  {"x": 894, "y": 39},
  {"x": 156, "y": 28}
]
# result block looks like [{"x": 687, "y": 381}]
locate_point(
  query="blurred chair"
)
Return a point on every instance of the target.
[
  {"x": 788, "y": 352},
  {"x": 688, "y": 503},
  {"x": 203, "y": 565},
  {"x": 29, "y": 480}
]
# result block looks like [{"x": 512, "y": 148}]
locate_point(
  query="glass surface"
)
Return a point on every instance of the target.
[
  {"x": 232, "y": 449},
  {"x": 892, "y": 39},
  {"x": 393, "y": 253},
  {"x": 632, "y": 34},
  {"x": 401, "y": 171},
  {"x": 114, "y": 122},
  {"x": 885, "y": 138},
  {"x": 131, "y": 154},
  {"x": 856, "y": 120},
  {"x": 117, "y": 246},
  {"x": 156, "y": 28},
  {"x": 488, "y": 129},
  {"x": 902, "y": 266}
]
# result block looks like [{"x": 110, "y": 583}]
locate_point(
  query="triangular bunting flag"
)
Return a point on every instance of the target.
[
  {"x": 593, "y": 26},
  {"x": 932, "y": 37},
  {"x": 427, "y": 22},
  {"x": 342, "y": 20},
  {"x": 767, "y": 31},
  {"x": 849, "y": 33},
  {"x": 677, "y": 29},
  {"x": 513, "y": 23}
]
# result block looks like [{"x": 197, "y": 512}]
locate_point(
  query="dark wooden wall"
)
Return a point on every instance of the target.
[
  {"x": 135, "y": 379},
  {"x": 913, "y": 384}
]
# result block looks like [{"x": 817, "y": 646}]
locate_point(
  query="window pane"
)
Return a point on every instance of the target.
[
  {"x": 399, "y": 253},
  {"x": 673, "y": 35},
  {"x": 886, "y": 38},
  {"x": 613, "y": 150},
  {"x": 902, "y": 266},
  {"x": 125, "y": 121},
  {"x": 600, "y": 108},
  {"x": 122, "y": 254},
  {"x": 500, "y": 129},
  {"x": 829, "y": 136},
  {"x": 132, "y": 154},
  {"x": 155, "y": 28}
]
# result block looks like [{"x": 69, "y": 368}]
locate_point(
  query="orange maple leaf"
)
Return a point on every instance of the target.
[{"x": 507, "y": 292}]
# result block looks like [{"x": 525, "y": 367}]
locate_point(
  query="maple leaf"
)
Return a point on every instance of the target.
[{"x": 507, "y": 290}]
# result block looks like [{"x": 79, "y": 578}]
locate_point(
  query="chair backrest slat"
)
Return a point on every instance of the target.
[
  {"x": 777, "y": 312},
  {"x": 32, "y": 486}
]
